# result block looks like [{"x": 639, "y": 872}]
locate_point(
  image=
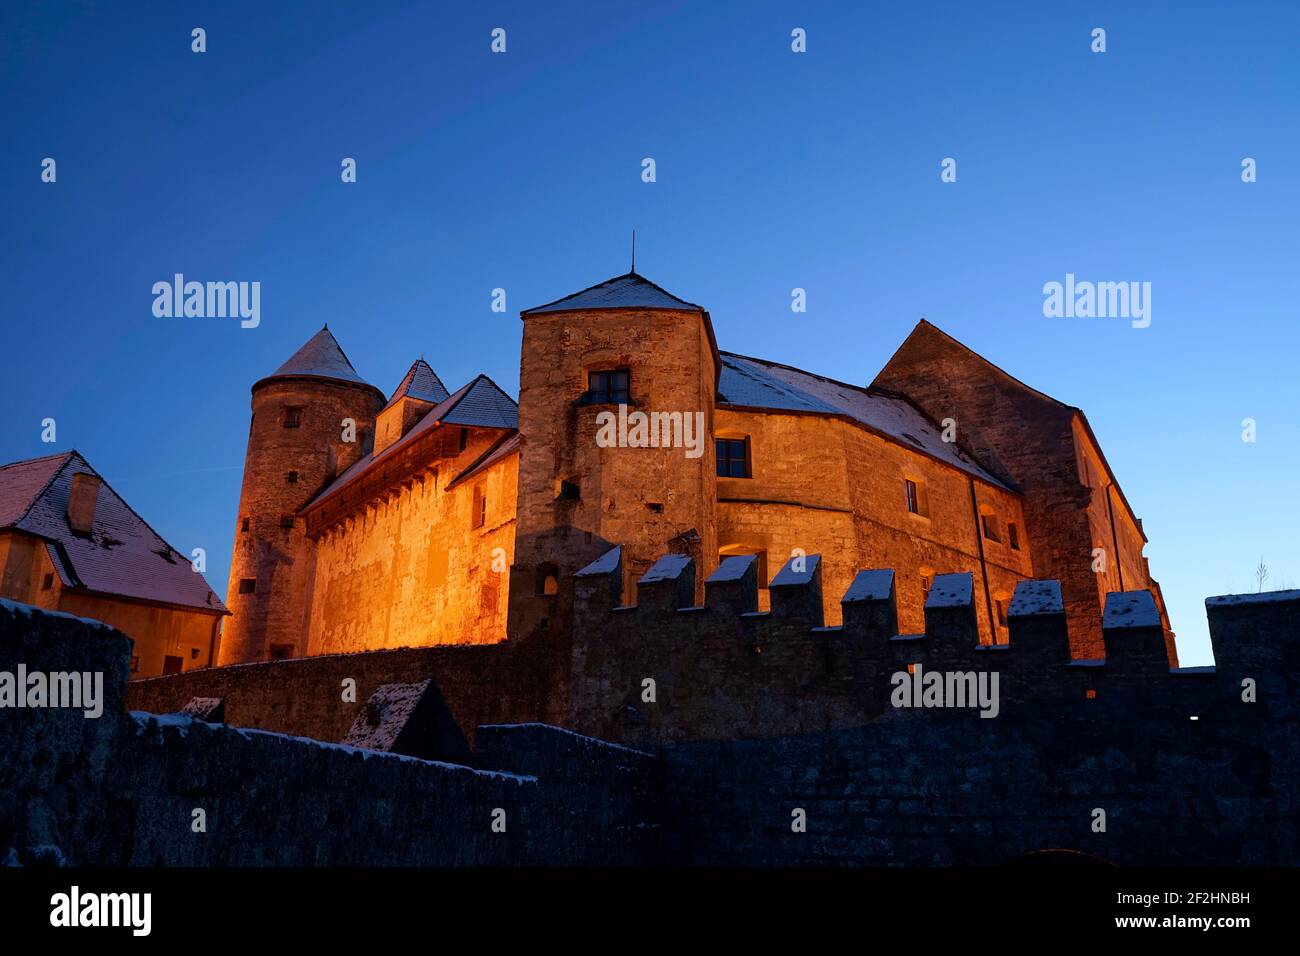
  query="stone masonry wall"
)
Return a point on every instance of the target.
[
  {"x": 758, "y": 716},
  {"x": 123, "y": 789}
]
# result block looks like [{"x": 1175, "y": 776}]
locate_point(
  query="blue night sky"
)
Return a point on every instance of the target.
[{"x": 775, "y": 170}]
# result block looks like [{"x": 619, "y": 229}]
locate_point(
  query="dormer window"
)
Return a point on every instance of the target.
[{"x": 610, "y": 387}]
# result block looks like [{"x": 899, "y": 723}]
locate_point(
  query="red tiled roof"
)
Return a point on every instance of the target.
[{"x": 121, "y": 555}]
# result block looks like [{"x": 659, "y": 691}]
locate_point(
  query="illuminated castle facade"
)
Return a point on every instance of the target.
[{"x": 430, "y": 517}]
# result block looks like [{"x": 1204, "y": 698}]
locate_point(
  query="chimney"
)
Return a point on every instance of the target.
[{"x": 81, "y": 501}]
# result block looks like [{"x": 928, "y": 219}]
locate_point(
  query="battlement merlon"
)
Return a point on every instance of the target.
[{"x": 1250, "y": 632}]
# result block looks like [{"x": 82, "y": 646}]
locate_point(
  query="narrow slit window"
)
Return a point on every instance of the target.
[{"x": 917, "y": 503}]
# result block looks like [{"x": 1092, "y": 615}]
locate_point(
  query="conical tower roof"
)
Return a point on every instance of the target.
[
  {"x": 320, "y": 357},
  {"x": 420, "y": 382}
]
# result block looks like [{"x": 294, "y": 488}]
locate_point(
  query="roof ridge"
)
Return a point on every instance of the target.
[
  {"x": 989, "y": 362},
  {"x": 690, "y": 306},
  {"x": 32, "y": 461}
]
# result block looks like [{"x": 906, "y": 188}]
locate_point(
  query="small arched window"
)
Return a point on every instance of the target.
[{"x": 548, "y": 579}]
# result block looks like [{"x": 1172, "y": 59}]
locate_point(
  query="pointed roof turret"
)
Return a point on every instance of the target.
[
  {"x": 320, "y": 357},
  {"x": 422, "y": 383}
]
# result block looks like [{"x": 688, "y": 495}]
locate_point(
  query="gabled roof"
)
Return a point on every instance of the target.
[
  {"x": 925, "y": 337},
  {"x": 479, "y": 404},
  {"x": 755, "y": 383},
  {"x": 320, "y": 357},
  {"x": 121, "y": 556},
  {"x": 504, "y": 447},
  {"x": 629, "y": 291},
  {"x": 421, "y": 382}
]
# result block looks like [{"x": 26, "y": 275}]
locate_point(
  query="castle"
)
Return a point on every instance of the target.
[{"x": 431, "y": 517}]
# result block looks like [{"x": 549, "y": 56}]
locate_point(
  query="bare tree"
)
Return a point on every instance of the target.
[{"x": 1261, "y": 574}]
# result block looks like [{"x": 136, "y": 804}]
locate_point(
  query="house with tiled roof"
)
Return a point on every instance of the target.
[
  {"x": 70, "y": 543},
  {"x": 427, "y": 516}
]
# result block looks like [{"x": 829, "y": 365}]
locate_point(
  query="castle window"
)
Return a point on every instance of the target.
[
  {"x": 989, "y": 522},
  {"x": 280, "y": 652},
  {"x": 548, "y": 579},
  {"x": 292, "y": 416},
  {"x": 291, "y": 477},
  {"x": 464, "y": 438},
  {"x": 135, "y": 664},
  {"x": 611, "y": 387},
  {"x": 917, "y": 501},
  {"x": 173, "y": 665},
  {"x": 286, "y": 522},
  {"x": 1001, "y": 605},
  {"x": 48, "y": 583},
  {"x": 478, "y": 513},
  {"x": 243, "y": 525},
  {"x": 733, "y": 457},
  {"x": 1013, "y": 536},
  {"x": 569, "y": 491},
  {"x": 247, "y": 585}
]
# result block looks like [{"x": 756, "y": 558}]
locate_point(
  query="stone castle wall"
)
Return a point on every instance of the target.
[
  {"x": 825, "y": 486},
  {"x": 410, "y": 568},
  {"x": 122, "y": 790}
]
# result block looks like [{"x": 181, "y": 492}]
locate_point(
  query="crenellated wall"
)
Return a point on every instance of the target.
[{"x": 760, "y": 717}]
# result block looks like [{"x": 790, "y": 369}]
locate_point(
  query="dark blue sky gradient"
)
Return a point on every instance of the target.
[{"x": 775, "y": 170}]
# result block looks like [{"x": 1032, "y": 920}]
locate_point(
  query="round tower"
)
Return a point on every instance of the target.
[
  {"x": 617, "y": 385},
  {"x": 312, "y": 419}
]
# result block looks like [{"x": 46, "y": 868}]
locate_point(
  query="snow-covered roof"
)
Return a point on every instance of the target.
[
  {"x": 607, "y": 563},
  {"x": 870, "y": 586},
  {"x": 732, "y": 568},
  {"x": 121, "y": 555},
  {"x": 1260, "y": 597},
  {"x": 1037, "y": 597},
  {"x": 801, "y": 574},
  {"x": 480, "y": 404},
  {"x": 667, "y": 568},
  {"x": 420, "y": 382},
  {"x": 755, "y": 383},
  {"x": 1130, "y": 609},
  {"x": 629, "y": 291},
  {"x": 951, "y": 590},
  {"x": 320, "y": 357}
]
